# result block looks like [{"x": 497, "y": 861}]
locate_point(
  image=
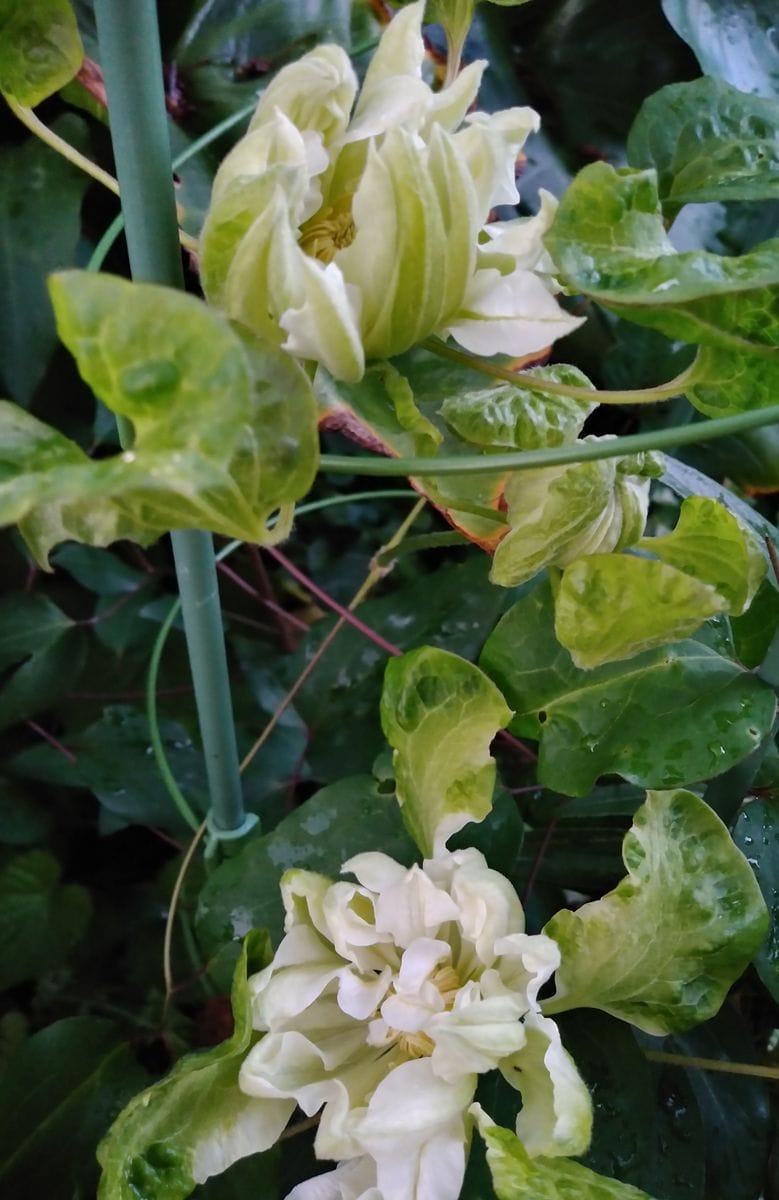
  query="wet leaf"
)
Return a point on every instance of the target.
[
  {"x": 684, "y": 871},
  {"x": 756, "y": 833},
  {"x": 708, "y": 141},
  {"x": 666, "y": 718}
]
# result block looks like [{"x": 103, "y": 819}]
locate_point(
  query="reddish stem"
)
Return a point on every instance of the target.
[
  {"x": 271, "y": 605},
  {"x": 538, "y": 859},
  {"x": 50, "y": 738},
  {"x": 317, "y": 591}
]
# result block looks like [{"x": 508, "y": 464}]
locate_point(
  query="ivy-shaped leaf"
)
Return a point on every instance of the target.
[
  {"x": 663, "y": 948},
  {"x": 609, "y": 242},
  {"x": 440, "y": 713},
  {"x": 40, "y": 918},
  {"x": 225, "y": 432},
  {"x": 40, "y": 48},
  {"x": 708, "y": 141},
  {"x": 666, "y": 718}
]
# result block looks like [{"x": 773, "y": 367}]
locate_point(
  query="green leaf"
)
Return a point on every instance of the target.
[
  {"x": 194, "y": 1123},
  {"x": 338, "y": 822},
  {"x": 737, "y": 1120},
  {"x": 684, "y": 873},
  {"x": 708, "y": 142},
  {"x": 41, "y": 920},
  {"x": 609, "y": 242},
  {"x": 366, "y": 412},
  {"x": 23, "y": 818},
  {"x": 113, "y": 760},
  {"x": 440, "y": 714},
  {"x": 610, "y": 607},
  {"x": 225, "y": 426},
  {"x": 36, "y": 236},
  {"x": 517, "y": 1176},
  {"x": 711, "y": 544},
  {"x": 40, "y": 48},
  {"x": 686, "y": 481},
  {"x": 754, "y": 632},
  {"x": 58, "y": 1093},
  {"x": 731, "y": 39},
  {"x": 557, "y": 514},
  {"x": 508, "y": 416},
  {"x": 46, "y": 650},
  {"x": 667, "y": 718},
  {"x": 756, "y": 833},
  {"x": 648, "y": 1129}
]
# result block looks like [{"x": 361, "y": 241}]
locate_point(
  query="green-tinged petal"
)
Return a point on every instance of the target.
[
  {"x": 449, "y": 106},
  {"x": 508, "y": 314},
  {"x": 40, "y": 48},
  {"x": 614, "y": 606},
  {"x": 475, "y": 1037},
  {"x": 316, "y": 93},
  {"x": 512, "y": 417},
  {"x": 398, "y": 58},
  {"x": 557, "y": 514},
  {"x": 196, "y": 1122},
  {"x": 517, "y": 1176},
  {"x": 520, "y": 241},
  {"x": 413, "y": 204},
  {"x": 276, "y": 143},
  {"x": 711, "y": 544},
  {"x": 440, "y": 714},
  {"x": 556, "y": 1114},
  {"x": 663, "y": 948}
]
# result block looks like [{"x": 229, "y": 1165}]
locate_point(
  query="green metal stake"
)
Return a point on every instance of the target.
[{"x": 128, "y": 36}]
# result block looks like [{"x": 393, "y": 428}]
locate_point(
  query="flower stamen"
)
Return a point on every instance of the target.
[{"x": 329, "y": 230}]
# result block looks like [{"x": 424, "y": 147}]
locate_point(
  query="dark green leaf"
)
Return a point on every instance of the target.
[
  {"x": 40, "y": 49},
  {"x": 643, "y": 1119},
  {"x": 41, "y": 920},
  {"x": 113, "y": 759},
  {"x": 340, "y": 821},
  {"x": 686, "y": 481},
  {"x": 733, "y": 39},
  {"x": 684, "y": 871},
  {"x": 756, "y": 833},
  {"x": 23, "y": 819},
  {"x": 669, "y": 717},
  {"x": 754, "y": 631},
  {"x": 58, "y": 1093},
  {"x": 196, "y": 1122},
  {"x": 37, "y": 235},
  {"x": 48, "y": 648},
  {"x": 708, "y": 141},
  {"x": 735, "y": 1108}
]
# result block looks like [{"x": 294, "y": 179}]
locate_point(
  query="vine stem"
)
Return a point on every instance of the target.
[
  {"x": 129, "y": 41},
  {"x": 74, "y": 156},
  {"x": 526, "y": 460},
  {"x": 713, "y": 1064},
  {"x": 664, "y": 391},
  {"x": 167, "y": 969}
]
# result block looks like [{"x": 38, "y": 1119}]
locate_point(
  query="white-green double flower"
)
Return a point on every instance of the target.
[
  {"x": 356, "y": 224},
  {"x": 384, "y": 1002}
]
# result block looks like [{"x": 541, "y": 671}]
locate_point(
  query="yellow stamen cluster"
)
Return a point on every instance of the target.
[{"x": 329, "y": 230}]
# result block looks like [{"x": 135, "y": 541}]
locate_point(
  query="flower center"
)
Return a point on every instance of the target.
[
  {"x": 421, "y": 1045},
  {"x": 328, "y": 231}
]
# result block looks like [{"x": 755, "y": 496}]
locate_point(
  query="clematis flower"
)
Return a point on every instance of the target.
[
  {"x": 385, "y": 1001},
  {"x": 355, "y": 224}
]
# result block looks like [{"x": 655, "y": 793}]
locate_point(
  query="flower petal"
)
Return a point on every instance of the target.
[
  {"x": 556, "y": 1114},
  {"x": 489, "y": 144},
  {"x": 476, "y": 1037},
  {"x": 508, "y": 314},
  {"x": 413, "y": 908},
  {"x": 351, "y": 1180},
  {"x": 316, "y": 92}
]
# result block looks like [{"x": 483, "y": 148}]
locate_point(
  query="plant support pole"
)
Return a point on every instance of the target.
[{"x": 128, "y": 37}]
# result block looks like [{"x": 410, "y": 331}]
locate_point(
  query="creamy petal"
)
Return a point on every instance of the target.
[
  {"x": 509, "y": 314},
  {"x": 556, "y": 1113},
  {"x": 476, "y": 1037},
  {"x": 316, "y": 92}
]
